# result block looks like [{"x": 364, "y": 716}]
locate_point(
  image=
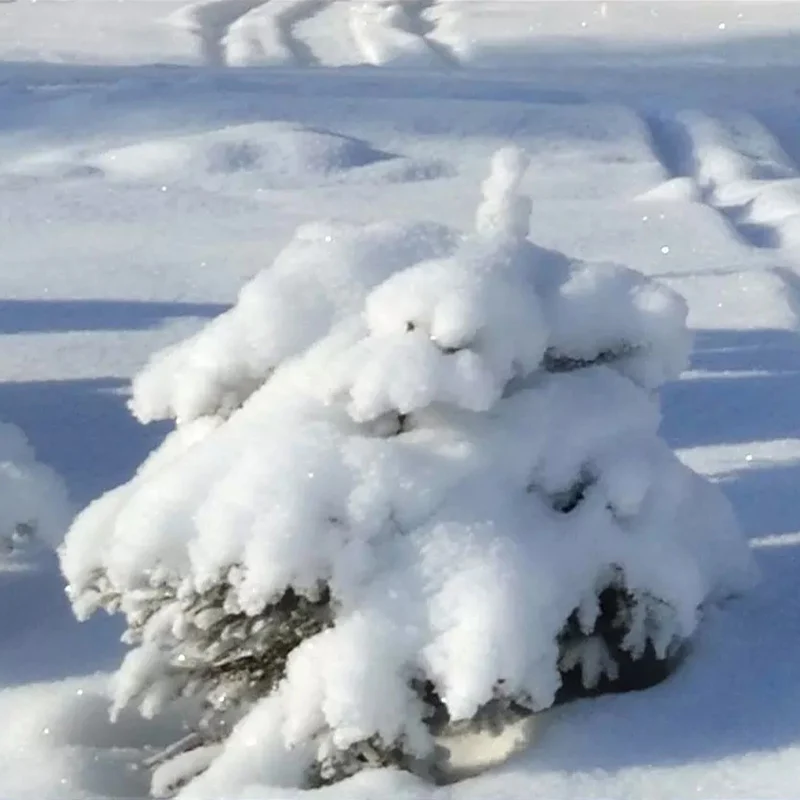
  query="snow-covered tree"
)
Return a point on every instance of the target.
[
  {"x": 34, "y": 506},
  {"x": 415, "y": 482}
]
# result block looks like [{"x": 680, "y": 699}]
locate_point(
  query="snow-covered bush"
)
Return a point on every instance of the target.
[
  {"x": 34, "y": 506},
  {"x": 416, "y": 481}
]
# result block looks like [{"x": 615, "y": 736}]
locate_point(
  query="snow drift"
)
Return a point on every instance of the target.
[{"x": 416, "y": 475}]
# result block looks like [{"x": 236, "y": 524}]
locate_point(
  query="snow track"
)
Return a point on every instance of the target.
[
  {"x": 289, "y": 19},
  {"x": 399, "y": 33},
  {"x": 259, "y": 32},
  {"x": 421, "y": 24},
  {"x": 738, "y": 168},
  {"x": 269, "y": 34},
  {"x": 211, "y": 21},
  {"x": 236, "y": 33}
]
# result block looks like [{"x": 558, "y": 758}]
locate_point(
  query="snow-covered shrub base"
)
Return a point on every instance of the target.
[
  {"x": 416, "y": 476},
  {"x": 34, "y": 506}
]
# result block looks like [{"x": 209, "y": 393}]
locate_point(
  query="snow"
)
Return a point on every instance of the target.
[
  {"x": 319, "y": 279},
  {"x": 34, "y": 505},
  {"x": 443, "y": 546},
  {"x": 109, "y": 260},
  {"x": 260, "y": 156}
]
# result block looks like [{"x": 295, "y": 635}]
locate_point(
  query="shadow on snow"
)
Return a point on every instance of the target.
[
  {"x": 748, "y": 390},
  {"x": 59, "y": 316}
]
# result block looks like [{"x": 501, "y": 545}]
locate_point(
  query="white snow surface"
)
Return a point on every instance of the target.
[{"x": 142, "y": 185}]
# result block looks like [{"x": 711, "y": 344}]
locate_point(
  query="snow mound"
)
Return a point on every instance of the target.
[
  {"x": 321, "y": 278},
  {"x": 411, "y": 466},
  {"x": 33, "y": 499},
  {"x": 277, "y": 150},
  {"x": 273, "y": 154}
]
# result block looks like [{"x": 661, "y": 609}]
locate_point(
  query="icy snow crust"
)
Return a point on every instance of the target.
[{"x": 397, "y": 411}]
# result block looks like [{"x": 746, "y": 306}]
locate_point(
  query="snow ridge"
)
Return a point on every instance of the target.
[
  {"x": 269, "y": 34},
  {"x": 739, "y": 169},
  {"x": 211, "y": 21},
  {"x": 34, "y": 505}
]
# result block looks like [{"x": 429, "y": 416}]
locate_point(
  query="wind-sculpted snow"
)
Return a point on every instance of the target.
[{"x": 444, "y": 443}]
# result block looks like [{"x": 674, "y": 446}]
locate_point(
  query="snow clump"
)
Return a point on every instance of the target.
[{"x": 416, "y": 482}]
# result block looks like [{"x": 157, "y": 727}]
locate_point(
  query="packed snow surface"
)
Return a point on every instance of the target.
[{"x": 142, "y": 185}]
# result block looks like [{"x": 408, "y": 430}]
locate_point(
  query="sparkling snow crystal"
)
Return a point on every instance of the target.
[{"x": 416, "y": 480}]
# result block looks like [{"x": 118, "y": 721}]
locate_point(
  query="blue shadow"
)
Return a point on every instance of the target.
[{"x": 60, "y": 316}]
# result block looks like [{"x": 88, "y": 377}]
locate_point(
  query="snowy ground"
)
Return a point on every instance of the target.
[{"x": 142, "y": 180}]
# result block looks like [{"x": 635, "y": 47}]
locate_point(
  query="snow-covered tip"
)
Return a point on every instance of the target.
[{"x": 504, "y": 212}]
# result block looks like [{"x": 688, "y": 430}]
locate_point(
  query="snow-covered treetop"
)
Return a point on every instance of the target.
[
  {"x": 453, "y": 434},
  {"x": 451, "y": 317}
]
